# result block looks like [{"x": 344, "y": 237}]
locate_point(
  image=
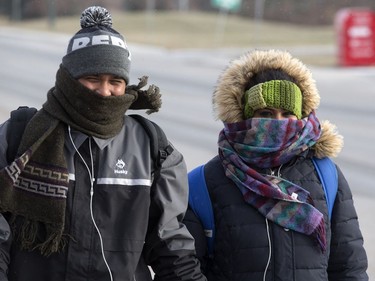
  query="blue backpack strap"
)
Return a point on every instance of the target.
[
  {"x": 200, "y": 203},
  {"x": 327, "y": 172}
]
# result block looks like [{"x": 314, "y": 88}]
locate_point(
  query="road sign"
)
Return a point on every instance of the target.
[{"x": 230, "y": 5}]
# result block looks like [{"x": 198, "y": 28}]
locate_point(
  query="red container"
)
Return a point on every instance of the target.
[{"x": 355, "y": 36}]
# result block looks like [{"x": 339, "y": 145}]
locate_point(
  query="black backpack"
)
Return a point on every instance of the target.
[
  {"x": 18, "y": 121},
  {"x": 160, "y": 147}
]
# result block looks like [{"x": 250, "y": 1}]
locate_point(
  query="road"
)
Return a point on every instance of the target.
[{"x": 186, "y": 78}]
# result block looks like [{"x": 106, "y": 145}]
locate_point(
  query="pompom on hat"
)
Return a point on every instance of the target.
[{"x": 97, "y": 48}]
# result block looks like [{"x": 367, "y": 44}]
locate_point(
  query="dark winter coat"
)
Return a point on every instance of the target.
[
  {"x": 138, "y": 222},
  {"x": 242, "y": 249}
]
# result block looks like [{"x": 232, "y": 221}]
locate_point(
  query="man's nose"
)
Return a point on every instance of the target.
[{"x": 104, "y": 89}]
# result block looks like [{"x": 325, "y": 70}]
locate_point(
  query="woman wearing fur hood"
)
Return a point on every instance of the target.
[{"x": 272, "y": 221}]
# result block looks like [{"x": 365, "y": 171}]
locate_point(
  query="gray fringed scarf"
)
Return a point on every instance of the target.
[{"x": 34, "y": 186}]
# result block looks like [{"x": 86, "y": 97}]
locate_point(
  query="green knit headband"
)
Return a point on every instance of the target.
[{"x": 275, "y": 94}]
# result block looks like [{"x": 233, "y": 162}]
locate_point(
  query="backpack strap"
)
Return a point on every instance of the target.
[
  {"x": 200, "y": 203},
  {"x": 160, "y": 146},
  {"x": 327, "y": 172},
  {"x": 19, "y": 118}
]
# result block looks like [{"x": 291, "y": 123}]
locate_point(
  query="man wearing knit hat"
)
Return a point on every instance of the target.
[
  {"x": 272, "y": 219},
  {"x": 82, "y": 198}
]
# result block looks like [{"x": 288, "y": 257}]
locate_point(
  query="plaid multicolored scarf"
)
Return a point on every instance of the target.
[{"x": 269, "y": 143}]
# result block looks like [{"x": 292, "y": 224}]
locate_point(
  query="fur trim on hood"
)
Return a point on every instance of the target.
[{"x": 228, "y": 95}]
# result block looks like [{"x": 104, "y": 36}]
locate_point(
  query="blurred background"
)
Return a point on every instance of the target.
[
  {"x": 317, "y": 26},
  {"x": 183, "y": 45},
  {"x": 318, "y": 12}
]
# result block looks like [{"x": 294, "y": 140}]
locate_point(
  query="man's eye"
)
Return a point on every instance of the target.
[{"x": 91, "y": 78}]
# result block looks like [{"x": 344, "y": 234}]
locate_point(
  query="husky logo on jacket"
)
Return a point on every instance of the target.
[{"x": 120, "y": 167}]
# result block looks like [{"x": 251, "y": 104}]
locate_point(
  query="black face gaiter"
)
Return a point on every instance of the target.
[{"x": 85, "y": 110}]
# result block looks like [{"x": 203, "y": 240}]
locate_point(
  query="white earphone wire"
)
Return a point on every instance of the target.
[
  {"x": 269, "y": 250},
  {"x": 92, "y": 179}
]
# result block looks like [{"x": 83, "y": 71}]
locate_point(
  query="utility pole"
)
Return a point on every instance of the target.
[
  {"x": 150, "y": 15},
  {"x": 16, "y": 13},
  {"x": 51, "y": 13},
  {"x": 258, "y": 18},
  {"x": 259, "y": 10},
  {"x": 183, "y": 5}
]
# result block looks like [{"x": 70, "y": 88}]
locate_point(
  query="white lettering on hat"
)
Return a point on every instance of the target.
[
  {"x": 80, "y": 43},
  {"x": 97, "y": 40},
  {"x": 100, "y": 39},
  {"x": 118, "y": 42}
]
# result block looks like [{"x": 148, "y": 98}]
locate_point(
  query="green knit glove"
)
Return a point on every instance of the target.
[{"x": 145, "y": 99}]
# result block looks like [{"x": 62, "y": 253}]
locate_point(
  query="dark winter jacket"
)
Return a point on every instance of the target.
[
  {"x": 242, "y": 246},
  {"x": 248, "y": 247},
  {"x": 138, "y": 222}
]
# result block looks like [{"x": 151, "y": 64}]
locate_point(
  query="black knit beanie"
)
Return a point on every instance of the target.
[{"x": 97, "y": 48}]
